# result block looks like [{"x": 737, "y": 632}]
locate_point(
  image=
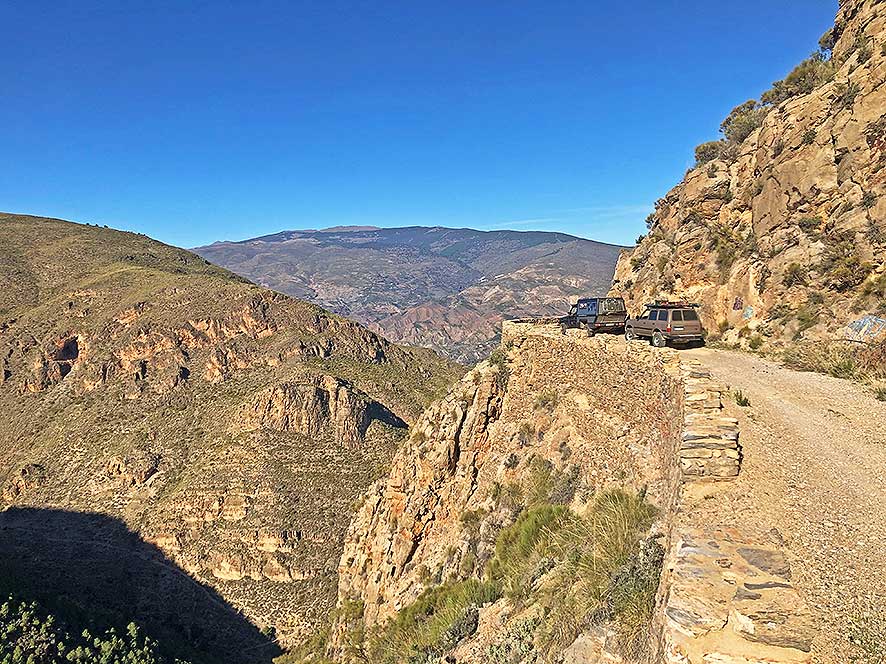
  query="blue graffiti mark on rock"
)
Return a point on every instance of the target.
[
  {"x": 866, "y": 328},
  {"x": 748, "y": 313}
]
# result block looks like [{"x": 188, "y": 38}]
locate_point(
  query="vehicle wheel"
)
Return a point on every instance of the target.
[
  {"x": 629, "y": 334},
  {"x": 591, "y": 330},
  {"x": 658, "y": 340}
]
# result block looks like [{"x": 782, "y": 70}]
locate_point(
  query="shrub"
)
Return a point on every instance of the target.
[
  {"x": 436, "y": 622},
  {"x": 829, "y": 39},
  {"x": 516, "y": 647},
  {"x": 780, "y": 311},
  {"x": 795, "y": 275},
  {"x": 28, "y": 634},
  {"x": 547, "y": 400},
  {"x": 812, "y": 72},
  {"x": 640, "y": 238},
  {"x": 742, "y": 121},
  {"x": 807, "y": 316},
  {"x": 880, "y": 393},
  {"x": 755, "y": 342},
  {"x": 846, "y": 95},
  {"x": 841, "y": 265},
  {"x": 499, "y": 359},
  {"x": 869, "y": 200},
  {"x": 810, "y": 225},
  {"x": 741, "y": 399},
  {"x": 778, "y": 147},
  {"x": 709, "y": 151},
  {"x": 809, "y": 137},
  {"x": 596, "y": 555},
  {"x": 840, "y": 359}
]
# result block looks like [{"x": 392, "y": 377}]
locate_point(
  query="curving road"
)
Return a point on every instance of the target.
[{"x": 814, "y": 477}]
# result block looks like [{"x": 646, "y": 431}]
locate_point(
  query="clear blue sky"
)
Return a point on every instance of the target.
[{"x": 201, "y": 120}]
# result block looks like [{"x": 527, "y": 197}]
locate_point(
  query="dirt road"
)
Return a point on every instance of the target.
[{"x": 814, "y": 476}]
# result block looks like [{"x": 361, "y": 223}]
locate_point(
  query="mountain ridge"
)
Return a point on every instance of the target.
[{"x": 442, "y": 288}]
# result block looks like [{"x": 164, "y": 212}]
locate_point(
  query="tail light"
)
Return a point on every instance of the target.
[{"x": 668, "y": 329}]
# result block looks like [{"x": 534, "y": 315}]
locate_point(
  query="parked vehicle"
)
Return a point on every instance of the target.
[
  {"x": 598, "y": 313},
  {"x": 664, "y": 321}
]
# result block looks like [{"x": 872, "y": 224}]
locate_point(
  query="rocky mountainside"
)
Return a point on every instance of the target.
[
  {"x": 446, "y": 289},
  {"x": 780, "y": 229},
  {"x": 179, "y": 446}
]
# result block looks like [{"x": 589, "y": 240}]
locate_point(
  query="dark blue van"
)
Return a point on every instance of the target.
[{"x": 598, "y": 313}]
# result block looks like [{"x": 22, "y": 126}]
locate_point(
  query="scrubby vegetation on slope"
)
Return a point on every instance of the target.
[
  {"x": 31, "y": 635},
  {"x": 565, "y": 572}
]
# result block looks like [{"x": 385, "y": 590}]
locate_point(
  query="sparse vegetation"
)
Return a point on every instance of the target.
[
  {"x": 755, "y": 342},
  {"x": 437, "y": 621},
  {"x": 499, "y": 359},
  {"x": 841, "y": 359},
  {"x": 868, "y": 200},
  {"x": 809, "y": 137},
  {"x": 741, "y": 399},
  {"x": 547, "y": 400},
  {"x": 812, "y": 72},
  {"x": 811, "y": 225},
  {"x": 742, "y": 121},
  {"x": 795, "y": 275},
  {"x": 574, "y": 569}
]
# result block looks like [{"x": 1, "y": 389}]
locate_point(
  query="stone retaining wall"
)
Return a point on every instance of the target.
[{"x": 709, "y": 449}]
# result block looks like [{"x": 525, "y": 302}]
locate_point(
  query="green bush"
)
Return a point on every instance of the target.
[
  {"x": 742, "y": 121},
  {"x": 809, "y": 137},
  {"x": 709, "y": 151},
  {"x": 30, "y": 635},
  {"x": 810, "y": 225},
  {"x": 436, "y": 622},
  {"x": 814, "y": 71},
  {"x": 868, "y": 200},
  {"x": 755, "y": 342}
]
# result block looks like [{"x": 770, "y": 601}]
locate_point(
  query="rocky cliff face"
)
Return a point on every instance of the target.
[
  {"x": 229, "y": 426},
  {"x": 781, "y": 233},
  {"x": 554, "y": 416}
]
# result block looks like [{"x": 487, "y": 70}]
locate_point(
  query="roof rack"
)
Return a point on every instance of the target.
[{"x": 668, "y": 304}]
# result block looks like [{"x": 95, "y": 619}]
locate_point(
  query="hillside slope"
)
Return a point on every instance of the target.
[
  {"x": 780, "y": 230},
  {"x": 228, "y": 426},
  {"x": 446, "y": 289}
]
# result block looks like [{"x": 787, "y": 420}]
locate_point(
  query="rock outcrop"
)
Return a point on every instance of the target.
[
  {"x": 559, "y": 405},
  {"x": 784, "y": 235}
]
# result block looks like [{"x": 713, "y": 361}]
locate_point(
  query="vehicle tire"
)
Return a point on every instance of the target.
[
  {"x": 658, "y": 340},
  {"x": 629, "y": 334},
  {"x": 591, "y": 330}
]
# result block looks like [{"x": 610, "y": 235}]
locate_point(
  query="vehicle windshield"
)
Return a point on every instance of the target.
[{"x": 612, "y": 305}]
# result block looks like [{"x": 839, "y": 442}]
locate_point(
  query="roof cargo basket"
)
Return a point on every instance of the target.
[{"x": 668, "y": 304}]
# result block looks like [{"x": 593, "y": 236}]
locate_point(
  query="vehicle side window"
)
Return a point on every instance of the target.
[
  {"x": 676, "y": 316},
  {"x": 689, "y": 314},
  {"x": 655, "y": 315},
  {"x": 645, "y": 315}
]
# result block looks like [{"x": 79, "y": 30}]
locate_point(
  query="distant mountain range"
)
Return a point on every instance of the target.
[{"x": 443, "y": 288}]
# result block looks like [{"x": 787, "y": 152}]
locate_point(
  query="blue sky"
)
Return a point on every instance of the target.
[{"x": 205, "y": 120}]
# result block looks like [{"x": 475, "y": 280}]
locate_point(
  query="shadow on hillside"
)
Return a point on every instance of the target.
[{"x": 91, "y": 570}]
